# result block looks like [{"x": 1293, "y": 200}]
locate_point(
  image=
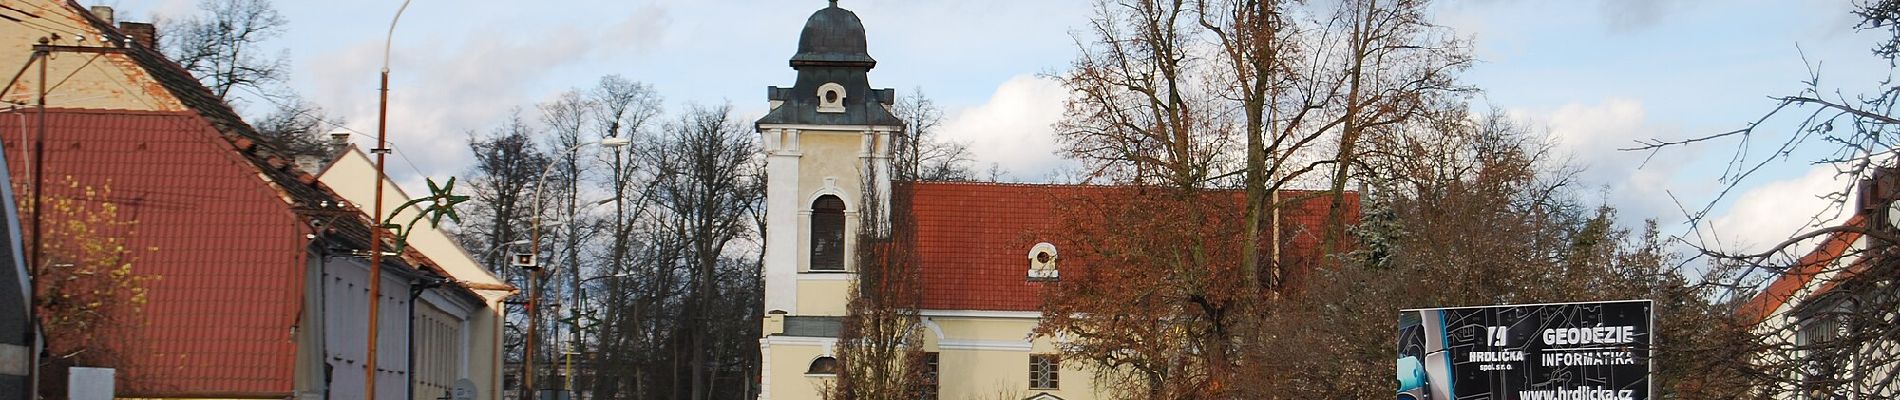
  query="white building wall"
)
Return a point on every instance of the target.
[
  {"x": 782, "y": 156},
  {"x": 345, "y": 311}
]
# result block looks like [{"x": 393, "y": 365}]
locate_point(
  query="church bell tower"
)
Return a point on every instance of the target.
[{"x": 827, "y": 147}]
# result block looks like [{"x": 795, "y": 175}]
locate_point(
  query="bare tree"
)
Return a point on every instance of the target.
[
  {"x": 1820, "y": 302},
  {"x": 917, "y": 153},
  {"x": 1257, "y": 51},
  {"x": 566, "y": 229},
  {"x": 632, "y": 289},
  {"x": 506, "y": 162},
  {"x": 1474, "y": 212},
  {"x": 1138, "y": 113},
  {"x": 222, "y": 46},
  {"x": 1178, "y": 98},
  {"x": 1395, "y": 65},
  {"x": 878, "y": 349},
  {"x": 297, "y": 127},
  {"x": 705, "y": 194},
  {"x": 627, "y": 290}
]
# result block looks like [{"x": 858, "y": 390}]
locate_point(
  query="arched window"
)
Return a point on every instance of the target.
[
  {"x": 823, "y": 366},
  {"x": 827, "y": 234}
]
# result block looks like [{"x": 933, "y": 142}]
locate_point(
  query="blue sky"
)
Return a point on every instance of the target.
[{"x": 1596, "y": 74}]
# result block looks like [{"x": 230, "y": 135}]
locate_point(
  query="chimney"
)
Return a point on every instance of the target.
[
  {"x": 309, "y": 163},
  {"x": 339, "y": 142},
  {"x": 145, "y": 34},
  {"x": 103, "y": 13}
]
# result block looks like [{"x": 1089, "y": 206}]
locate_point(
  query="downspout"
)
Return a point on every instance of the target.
[
  {"x": 415, "y": 291},
  {"x": 323, "y": 296}
]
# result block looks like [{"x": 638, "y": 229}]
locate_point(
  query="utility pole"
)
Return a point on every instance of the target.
[
  {"x": 376, "y": 219},
  {"x": 42, "y": 54}
]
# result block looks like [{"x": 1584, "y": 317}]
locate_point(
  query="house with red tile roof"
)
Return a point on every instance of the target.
[
  {"x": 260, "y": 270},
  {"x": 986, "y": 250},
  {"x": 454, "y": 339},
  {"x": 1807, "y": 314}
]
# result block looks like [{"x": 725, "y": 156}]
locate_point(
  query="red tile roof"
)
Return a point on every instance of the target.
[
  {"x": 973, "y": 239},
  {"x": 226, "y": 247},
  {"x": 1823, "y": 258},
  {"x": 233, "y": 266}
]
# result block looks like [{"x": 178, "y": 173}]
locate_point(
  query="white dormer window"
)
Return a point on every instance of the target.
[
  {"x": 1042, "y": 262},
  {"x": 831, "y": 98}
]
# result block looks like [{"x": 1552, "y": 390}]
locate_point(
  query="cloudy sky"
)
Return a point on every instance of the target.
[{"x": 1596, "y": 75}]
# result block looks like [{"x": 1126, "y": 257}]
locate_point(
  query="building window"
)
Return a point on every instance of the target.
[
  {"x": 927, "y": 368},
  {"x": 831, "y": 98},
  {"x": 1824, "y": 356},
  {"x": 1042, "y": 262},
  {"x": 1043, "y": 372},
  {"x": 823, "y": 366},
  {"x": 827, "y": 234}
]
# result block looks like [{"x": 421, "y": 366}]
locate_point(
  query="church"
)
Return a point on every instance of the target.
[{"x": 827, "y": 144}]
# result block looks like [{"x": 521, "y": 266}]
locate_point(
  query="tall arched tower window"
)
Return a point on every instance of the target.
[{"x": 827, "y": 234}]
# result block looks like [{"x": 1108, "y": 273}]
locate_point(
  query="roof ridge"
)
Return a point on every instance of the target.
[
  {"x": 1086, "y": 186},
  {"x": 284, "y": 176}
]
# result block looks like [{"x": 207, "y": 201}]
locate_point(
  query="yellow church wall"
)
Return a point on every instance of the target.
[
  {"x": 1002, "y": 375},
  {"x": 75, "y": 80},
  {"x": 786, "y": 379},
  {"x": 823, "y": 296},
  {"x": 988, "y": 358},
  {"x": 823, "y": 150},
  {"x": 993, "y": 329},
  {"x": 979, "y": 358},
  {"x": 983, "y": 374}
]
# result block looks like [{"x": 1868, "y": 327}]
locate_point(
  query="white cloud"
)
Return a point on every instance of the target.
[
  {"x": 1014, "y": 128},
  {"x": 454, "y": 82},
  {"x": 1772, "y": 212},
  {"x": 1634, "y": 15},
  {"x": 1642, "y": 186},
  {"x": 1591, "y": 136}
]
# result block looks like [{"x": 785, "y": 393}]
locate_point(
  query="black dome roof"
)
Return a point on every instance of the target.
[{"x": 833, "y": 37}]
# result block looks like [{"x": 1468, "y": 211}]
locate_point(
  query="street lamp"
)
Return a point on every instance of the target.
[
  {"x": 489, "y": 262},
  {"x": 534, "y": 267},
  {"x": 376, "y": 219}
]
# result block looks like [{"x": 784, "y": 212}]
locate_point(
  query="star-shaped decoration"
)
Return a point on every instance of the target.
[
  {"x": 440, "y": 202},
  {"x": 444, "y": 201}
]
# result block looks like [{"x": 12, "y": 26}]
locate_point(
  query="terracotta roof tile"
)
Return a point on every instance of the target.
[
  {"x": 1810, "y": 266},
  {"x": 225, "y": 248},
  {"x": 973, "y": 239}
]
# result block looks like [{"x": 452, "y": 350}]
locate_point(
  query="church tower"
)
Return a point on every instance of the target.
[{"x": 827, "y": 146}]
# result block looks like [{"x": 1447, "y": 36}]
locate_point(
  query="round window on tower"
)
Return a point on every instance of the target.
[{"x": 831, "y": 98}]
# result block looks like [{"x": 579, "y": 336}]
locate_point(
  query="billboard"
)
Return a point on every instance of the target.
[{"x": 1567, "y": 351}]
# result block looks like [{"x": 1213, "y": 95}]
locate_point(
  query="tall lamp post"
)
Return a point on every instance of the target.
[
  {"x": 534, "y": 267},
  {"x": 376, "y": 219}
]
